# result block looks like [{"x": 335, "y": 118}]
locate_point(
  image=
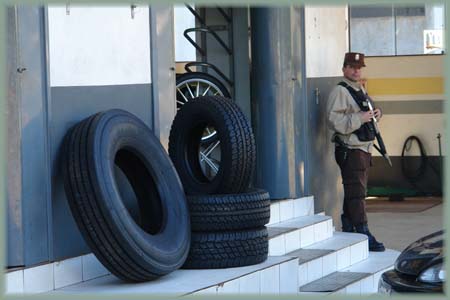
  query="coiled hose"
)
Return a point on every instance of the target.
[{"x": 414, "y": 175}]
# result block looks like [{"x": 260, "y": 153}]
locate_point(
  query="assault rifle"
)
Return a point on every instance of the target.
[{"x": 381, "y": 147}]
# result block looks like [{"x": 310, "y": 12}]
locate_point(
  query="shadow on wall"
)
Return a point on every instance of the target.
[{"x": 325, "y": 179}]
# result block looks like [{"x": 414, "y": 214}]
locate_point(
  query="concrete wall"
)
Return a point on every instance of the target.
[
  {"x": 66, "y": 63},
  {"x": 326, "y": 35}
]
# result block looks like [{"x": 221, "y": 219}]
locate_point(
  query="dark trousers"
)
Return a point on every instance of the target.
[{"x": 354, "y": 165}]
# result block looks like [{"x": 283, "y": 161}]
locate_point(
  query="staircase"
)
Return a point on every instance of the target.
[{"x": 306, "y": 256}]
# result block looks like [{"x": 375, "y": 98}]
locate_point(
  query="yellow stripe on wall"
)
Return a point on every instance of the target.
[{"x": 405, "y": 86}]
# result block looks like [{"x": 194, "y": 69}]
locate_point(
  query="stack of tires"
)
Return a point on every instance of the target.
[{"x": 212, "y": 147}]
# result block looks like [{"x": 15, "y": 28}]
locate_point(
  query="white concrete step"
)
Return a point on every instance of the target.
[
  {"x": 336, "y": 253},
  {"x": 286, "y": 209},
  {"x": 358, "y": 279},
  {"x": 274, "y": 276},
  {"x": 298, "y": 233}
]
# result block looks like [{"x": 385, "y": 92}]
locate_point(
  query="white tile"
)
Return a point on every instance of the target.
[
  {"x": 320, "y": 231},
  {"x": 250, "y": 284},
  {"x": 302, "y": 274},
  {"x": 277, "y": 246},
  {"x": 286, "y": 210},
  {"x": 14, "y": 282},
  {"x": 343, "y": 258},
  {"x": 289, "y": 277},
  {"x": 304, "y": 206},
  {"x": 270, "y": 280},
  {"x": 292, "y": 240},
  {"x": 307, "y": 236},
  {"x": 67, "y": 272},
  {"x": 340, "y": 292},
  {"x": 367, "y": 286},
  {"x": 354, "y": 288},
  {"x": 314, "y": 269},
  {"x": 330, "y": 227},
  {"x": 357, "y": 253},
  {"x": 229, "y": 287},
  {"x": 92, "y": 268},
  {"x": 329, "y": 263},
  {"x": 209, "y": 291},
  {"x": 376, "y": 278},
  {"x": 38, "y": 279},
  {"x": 274, "y": 213}
]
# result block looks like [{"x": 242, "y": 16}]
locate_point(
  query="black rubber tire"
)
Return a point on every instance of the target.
[
  {"x": 133, "y": 250},
  {"x": 217, "y": 89},
  {"x": 237, "y": 144},
  {"x": 227, "y": 249},
  {"x": 229, "y": 211},
  {"x": 184, "y": 78}
]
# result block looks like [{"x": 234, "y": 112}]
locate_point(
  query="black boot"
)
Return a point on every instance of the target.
[
  {"x": 374, "y": 245},
  {"x": 347, "y": 225}
]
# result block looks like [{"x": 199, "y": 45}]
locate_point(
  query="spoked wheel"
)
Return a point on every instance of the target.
[
  {"x": 195, "y": 84},
  {"x": 192, "y": 85},
  {"x": 209, "y": 155}
]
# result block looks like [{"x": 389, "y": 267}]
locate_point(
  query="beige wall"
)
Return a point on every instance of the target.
[{"x": 412, "y": 80}]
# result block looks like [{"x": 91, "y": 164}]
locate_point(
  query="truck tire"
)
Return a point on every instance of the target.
[
  {"x": 226, "y": 249},
  {"x": 237, "y": 146},
  {"x": 229, "y": 211},
  {"x": 134, "y": 250}
]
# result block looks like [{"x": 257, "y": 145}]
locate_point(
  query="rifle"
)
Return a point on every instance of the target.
[{"x": 381, "y": 147}]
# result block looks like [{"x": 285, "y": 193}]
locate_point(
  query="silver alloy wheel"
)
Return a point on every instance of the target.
[{"x": 193, "y": 87}]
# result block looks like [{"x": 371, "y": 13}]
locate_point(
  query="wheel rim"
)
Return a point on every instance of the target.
[
  {"x": 209, "y": 157},
  {"x": 192, "y": 88},
  {"x": 209, "y": 151}
]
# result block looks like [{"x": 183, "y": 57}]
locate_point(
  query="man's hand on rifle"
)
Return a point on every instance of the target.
[
  {"x": 377, "y": 114},
  {"x": 366, "y": 116}
]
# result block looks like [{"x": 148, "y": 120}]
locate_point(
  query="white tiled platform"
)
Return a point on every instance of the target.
[
  {"x": 292, "y": 226},
  {"x": 272, "y": 276}
]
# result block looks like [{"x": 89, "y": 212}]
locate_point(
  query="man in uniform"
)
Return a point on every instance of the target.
[{"x": 349, "y": 117}]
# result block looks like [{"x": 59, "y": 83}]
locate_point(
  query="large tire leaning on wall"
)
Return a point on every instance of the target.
[
  {"x": 227, "y": 249},
  {"x": 237, "y": 146},
  {"x": 133, "y": 249},
  {"x": 229, "y": 211}
]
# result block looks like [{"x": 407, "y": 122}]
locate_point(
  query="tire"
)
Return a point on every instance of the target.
[
  {"x": 134, "y": 250},
  {"x": 229, "y": 211},
  {"x": 215, "y": 250},
  {"x": 237, "y": 146},
  {"x": 194, "y": 84}
]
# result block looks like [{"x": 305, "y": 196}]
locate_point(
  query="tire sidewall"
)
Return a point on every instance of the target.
[{"x": 114, "y": 130}]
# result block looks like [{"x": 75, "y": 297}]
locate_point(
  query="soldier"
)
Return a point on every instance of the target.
[{"x": 349, "y": 117}]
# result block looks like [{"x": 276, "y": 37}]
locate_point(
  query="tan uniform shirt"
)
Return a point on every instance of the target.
[{"x": 344, "y": 116}]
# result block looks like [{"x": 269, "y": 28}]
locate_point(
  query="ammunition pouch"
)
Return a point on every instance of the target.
[{"x": 367, "y": 131}]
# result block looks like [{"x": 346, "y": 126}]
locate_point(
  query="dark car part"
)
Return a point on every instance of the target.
[
  {"x": 421, "y": 254},
  {"x": 395, "y": 282},
  {"x": 226, "y": 249},
  {"x": 229, "y": 211},
  {"x": 228, "y": 172},
  {"x": 419, "y": 268},
  {"x": 134, "y": 249}
]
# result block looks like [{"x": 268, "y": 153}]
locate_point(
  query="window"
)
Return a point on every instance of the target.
[{"x": 397, "y": 30}]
